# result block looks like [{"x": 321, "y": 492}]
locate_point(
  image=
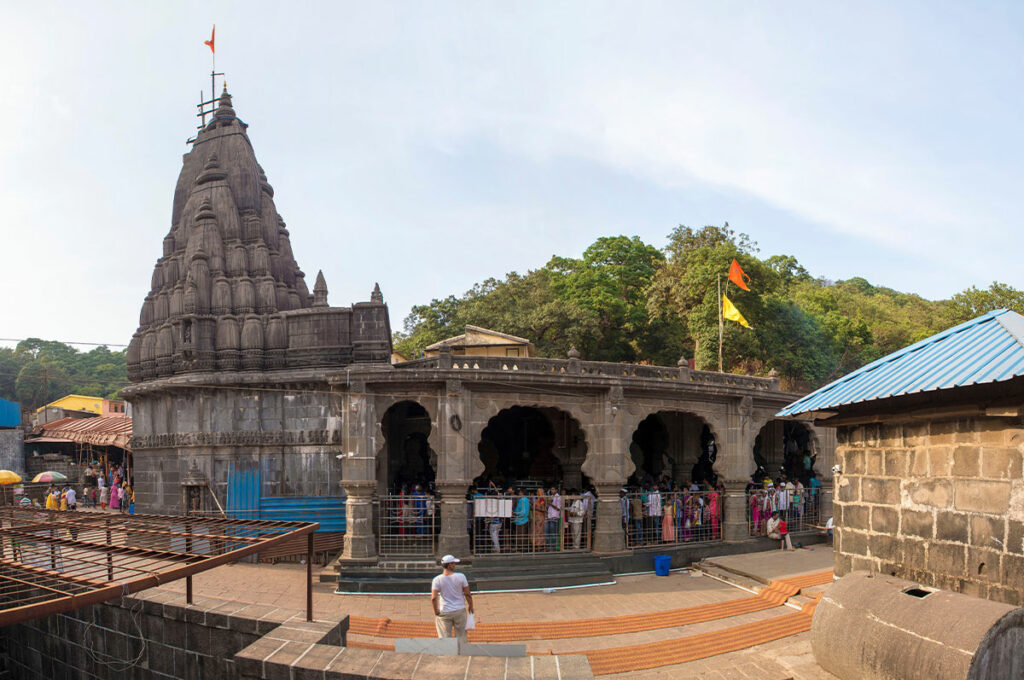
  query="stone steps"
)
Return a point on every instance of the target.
[{"x": 490, "y": 573}]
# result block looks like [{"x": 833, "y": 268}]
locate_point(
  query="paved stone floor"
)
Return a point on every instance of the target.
[{"x": 284, "y": 586}]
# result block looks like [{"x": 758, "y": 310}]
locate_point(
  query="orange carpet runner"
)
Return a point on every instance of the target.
[
  {"x": 693, "y": 647},
  {"x": 773, "y": 596}
]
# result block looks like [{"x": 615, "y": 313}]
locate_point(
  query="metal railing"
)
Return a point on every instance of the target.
[
  {"x": 800, "y": 511},
  {"x": 531, "y": 524},
  {"x": 407, "y": 524},
  {"x": 660, "y": 518}
]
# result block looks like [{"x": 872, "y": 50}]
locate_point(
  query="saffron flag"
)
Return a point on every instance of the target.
[
  {"x": 730, "y": 312},
  {"x": 209, "y": 43},
  {"x": 737, "y": 275}
]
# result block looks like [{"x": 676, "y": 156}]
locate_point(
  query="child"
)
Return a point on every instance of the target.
[{"x": 778, "y": 530}]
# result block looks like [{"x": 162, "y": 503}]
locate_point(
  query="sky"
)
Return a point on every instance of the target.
[{"x": 429, "y": 146}]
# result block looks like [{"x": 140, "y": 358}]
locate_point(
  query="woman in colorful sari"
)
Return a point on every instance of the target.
[
  {"x": 688, "y": 516},
  {"x": 668, "y": 527},
  {"x": 540, "y": 513},
  {"x": 714, "y": 500}
]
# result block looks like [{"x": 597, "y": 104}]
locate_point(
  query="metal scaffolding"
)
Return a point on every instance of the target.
[{"x": 51, "y": 562}]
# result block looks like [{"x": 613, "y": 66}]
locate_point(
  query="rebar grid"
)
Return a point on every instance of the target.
[{"x": 54, "y": 561}]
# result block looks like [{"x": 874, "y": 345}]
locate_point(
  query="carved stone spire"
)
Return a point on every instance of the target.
[
  {"x": 320, "y": 290},
  {"x": 376, "y": 295},
  {"x": 227, "y": 275}
]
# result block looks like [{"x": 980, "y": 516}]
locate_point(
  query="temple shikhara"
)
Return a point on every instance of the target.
[{"x": 255, "y": 395}]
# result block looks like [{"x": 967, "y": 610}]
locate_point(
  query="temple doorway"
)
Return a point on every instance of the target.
[
  {"x": 673, "y": 446},
  {"x": 408, "y": 461},
  {"x": 529, "y": 447},
  {"x": 784, "y": 447}
]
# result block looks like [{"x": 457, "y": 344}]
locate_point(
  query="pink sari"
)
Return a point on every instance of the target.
[{"x": 713, "y": 510}]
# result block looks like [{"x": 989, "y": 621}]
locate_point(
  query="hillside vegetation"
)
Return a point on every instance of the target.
[{"x": 626, "y": 300}]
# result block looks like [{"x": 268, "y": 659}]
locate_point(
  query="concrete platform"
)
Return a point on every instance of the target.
[{"x": 764, "y": 567}]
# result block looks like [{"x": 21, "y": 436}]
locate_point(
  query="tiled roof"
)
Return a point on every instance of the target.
[
  {"x": 988, "y": 349},
  {"x": 101, "y": 431}
]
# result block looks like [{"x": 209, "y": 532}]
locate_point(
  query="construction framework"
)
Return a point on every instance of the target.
[{"x": 52, "y": 562}]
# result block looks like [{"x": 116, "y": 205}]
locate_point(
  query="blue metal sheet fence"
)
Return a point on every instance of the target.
[
  {"x": 243, "y": 491},
  {"x": 329, "y": 511},
  {"x": 244, "y": 501}
]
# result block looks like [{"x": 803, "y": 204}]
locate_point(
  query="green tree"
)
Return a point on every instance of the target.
[
  {"x": 972, "y": 303},
  {"x": 40, "y": 382}
]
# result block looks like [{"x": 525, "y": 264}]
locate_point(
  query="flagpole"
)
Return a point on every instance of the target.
[{"x": 721, "y": 323}]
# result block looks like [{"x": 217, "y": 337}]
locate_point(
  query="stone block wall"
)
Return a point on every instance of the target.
[
  {"x": 103, "y": 641},
  {"x": 938, "y": 502},
  {"x": 12, "y": 450}
]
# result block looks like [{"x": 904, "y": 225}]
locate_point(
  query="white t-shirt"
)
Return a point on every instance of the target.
[
  {"x": 450, "y": 587},
  {"x": 72, "y": 498}
]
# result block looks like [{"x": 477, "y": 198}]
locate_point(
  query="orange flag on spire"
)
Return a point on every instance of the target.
[
  {"x": 209, "y": 42},
  {"x": 737, "y": 275}
]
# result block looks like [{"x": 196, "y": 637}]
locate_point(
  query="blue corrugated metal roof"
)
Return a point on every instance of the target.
[
  {"x": 984, "y": 350},
  {"x": 10, "y": 413}
]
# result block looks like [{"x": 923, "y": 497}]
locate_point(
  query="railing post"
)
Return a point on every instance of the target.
[
  {"x": 309, "y": 576},
  {"x": 110, "y": 557}
]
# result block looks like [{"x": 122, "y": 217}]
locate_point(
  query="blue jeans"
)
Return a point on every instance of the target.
[{"x": 551, "y": 530}]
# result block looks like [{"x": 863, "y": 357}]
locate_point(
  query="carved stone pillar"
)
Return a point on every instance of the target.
[
  {"x": 608, "y": 465},
  {"x": 360, "y": 533},
  {"x": 608, "y": 535},
  {"x": 359, "y": 474},
  {"x": 454, "y": 538},
  {"x": 734, "y": 512}
]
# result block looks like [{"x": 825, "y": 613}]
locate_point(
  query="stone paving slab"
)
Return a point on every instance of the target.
[
  {"x": 279, "y": 591},
  {"x": 776, "y": 564}
]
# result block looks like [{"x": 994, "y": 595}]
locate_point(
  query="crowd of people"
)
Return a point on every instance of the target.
[
  {"x": 791, "y": 499},
  {"x": 107, "y": 488},
  {"x": 546, "y": 519},
  {"x": 667, "y": 512},
  {"x": 101, "y": 488}
]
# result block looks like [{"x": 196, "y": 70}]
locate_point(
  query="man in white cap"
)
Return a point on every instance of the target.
[{"x": 450, "y": 597}]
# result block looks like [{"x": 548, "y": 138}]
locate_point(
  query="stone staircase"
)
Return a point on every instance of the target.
[{"x": 413, "y": 574}]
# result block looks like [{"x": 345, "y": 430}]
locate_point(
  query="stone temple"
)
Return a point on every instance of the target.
[{"x": 252, "y": 394}]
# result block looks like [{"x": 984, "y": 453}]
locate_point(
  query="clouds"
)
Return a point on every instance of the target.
[{"x": 430, "y": 146}]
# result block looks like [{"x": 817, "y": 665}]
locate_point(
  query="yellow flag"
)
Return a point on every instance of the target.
[{"x": 730, "y": 312}]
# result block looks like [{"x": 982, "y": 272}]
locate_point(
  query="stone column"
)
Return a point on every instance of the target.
[
  {"x": 608, "y": 534},
  {"x": 360, "y": 534},
  {"x": 735, "y": 464},
  {"x": 458, "y": 463},
  {"x": 359, "y": 474},
  {"x": 454, "y": 539},
  {"x": 734, "y": 512},
  {"x": 608, "y": 431}
]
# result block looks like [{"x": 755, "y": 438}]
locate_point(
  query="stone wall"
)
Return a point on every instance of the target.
[
  {"x": 938, "y": 502},
  {"x": 12, "y": 450},
  {"x": 221, "y": 640},
  {"x": 103, "y": 641},
  {"x": 54, "y": 463}
]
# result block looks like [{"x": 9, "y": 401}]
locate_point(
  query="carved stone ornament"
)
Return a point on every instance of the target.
[{"x": 247, "y": 438}]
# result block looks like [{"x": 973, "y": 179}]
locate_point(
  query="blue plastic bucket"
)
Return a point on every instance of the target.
[{"x": 662, "y": 564}]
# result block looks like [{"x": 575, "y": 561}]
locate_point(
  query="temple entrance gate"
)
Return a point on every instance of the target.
[{"x": 408, "y": 517}]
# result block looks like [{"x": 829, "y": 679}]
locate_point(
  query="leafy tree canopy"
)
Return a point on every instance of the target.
[
  {"x": 625, "y": 300},
  {"x": 37, "y": 372}
]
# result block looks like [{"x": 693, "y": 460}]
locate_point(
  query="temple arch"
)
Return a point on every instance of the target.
[
  {"x": 677, "y": 446},
  {"x": 781, "y": 447},
  {"x": 532, "y": 446},
  {"x": 407, "y": 458}
]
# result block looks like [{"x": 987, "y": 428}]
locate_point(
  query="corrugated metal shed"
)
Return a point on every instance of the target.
[
  {"x": 984, "y": 350},
  {"x": 10, "y": 413},
  {"x": 101, "y": 431}
]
